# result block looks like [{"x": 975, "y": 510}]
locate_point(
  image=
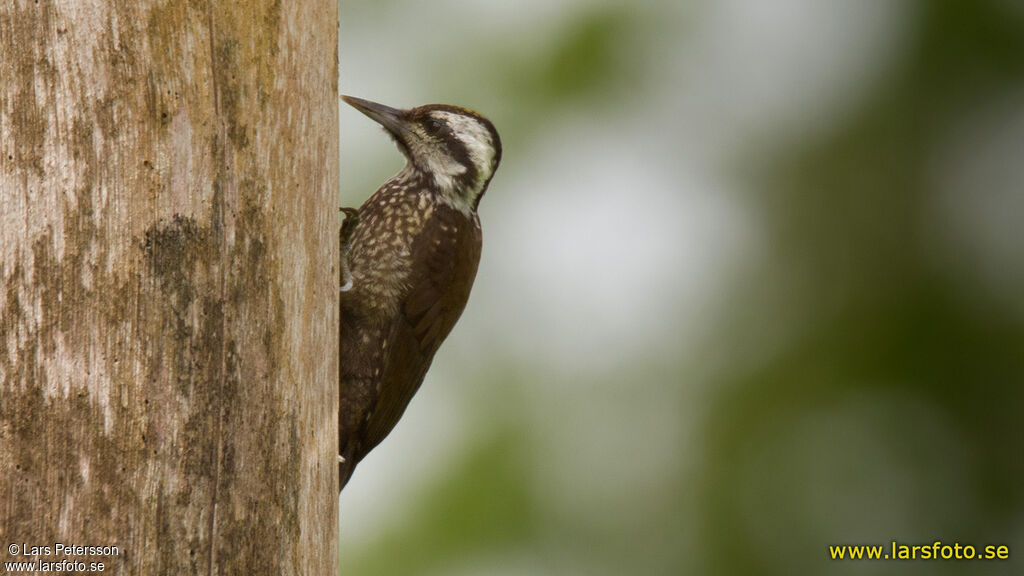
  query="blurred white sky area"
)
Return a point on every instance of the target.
[{"x": 611, "y": 233}]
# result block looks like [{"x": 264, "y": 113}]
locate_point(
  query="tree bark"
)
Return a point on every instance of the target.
[{"x": 168, "y": 284}]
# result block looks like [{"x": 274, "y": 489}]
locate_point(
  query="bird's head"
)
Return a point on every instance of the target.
[{"x": 455, "y": 148}]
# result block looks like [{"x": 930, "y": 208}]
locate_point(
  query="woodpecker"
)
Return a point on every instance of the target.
[{"x": 410, "y": 256}]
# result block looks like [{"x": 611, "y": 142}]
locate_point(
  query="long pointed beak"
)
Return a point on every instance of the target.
[{"x": 393, "y": 119}]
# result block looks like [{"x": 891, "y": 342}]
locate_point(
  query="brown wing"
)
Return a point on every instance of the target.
[{"x": 445, "y": 260}]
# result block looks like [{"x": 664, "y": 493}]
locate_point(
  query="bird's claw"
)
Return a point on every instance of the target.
[{"x": 348, "y": 228}]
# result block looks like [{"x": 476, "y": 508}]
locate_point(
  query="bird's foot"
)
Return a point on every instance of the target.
[{"x": 348, "y": 228}]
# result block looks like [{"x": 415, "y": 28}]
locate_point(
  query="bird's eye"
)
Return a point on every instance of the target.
[{"x": 434, "y": 127}]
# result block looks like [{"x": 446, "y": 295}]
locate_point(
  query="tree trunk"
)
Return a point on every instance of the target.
[{"x": 168, "y": 284}]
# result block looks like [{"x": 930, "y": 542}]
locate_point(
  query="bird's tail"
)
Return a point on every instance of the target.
[{"x": 346, "y": 465}]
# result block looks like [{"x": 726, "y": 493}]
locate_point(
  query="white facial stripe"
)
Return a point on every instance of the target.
[
  {"x": 476, "y": 138},
  {"x": 444, "y": 168},
  {"x": 433, "y": 157}
]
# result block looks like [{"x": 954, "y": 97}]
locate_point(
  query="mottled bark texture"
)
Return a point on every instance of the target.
[{"x": 168, "y": 282}]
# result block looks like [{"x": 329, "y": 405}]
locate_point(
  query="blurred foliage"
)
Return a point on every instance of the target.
[
  {"x": 587, "y": 60},
  {"x": 584, "y": 60},
  {"x": 849, "y": 219},
  {"x": 480, "y": 505},
  {"x": 889, "y": 404}
]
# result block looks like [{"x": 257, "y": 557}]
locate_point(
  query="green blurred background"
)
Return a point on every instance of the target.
[{"x": 752, "y": 285}]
